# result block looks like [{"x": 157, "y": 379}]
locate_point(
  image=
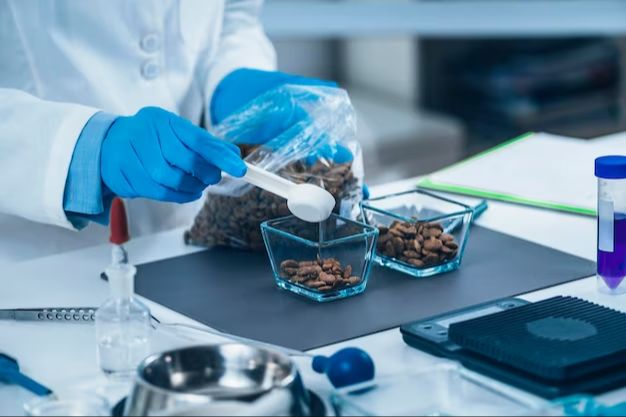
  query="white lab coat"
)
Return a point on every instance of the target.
[{"x": 62, "y": 61}]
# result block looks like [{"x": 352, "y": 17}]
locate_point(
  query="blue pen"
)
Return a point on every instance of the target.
[
  {"x": 479, "y": 209},
  {"x": 10, "y": 374}
]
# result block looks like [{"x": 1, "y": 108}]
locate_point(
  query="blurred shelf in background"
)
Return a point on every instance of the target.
[
  {"x": 502, "y": 88},
  {"x": 444, "y": 18},
  {"x": 435, "y": 81}
]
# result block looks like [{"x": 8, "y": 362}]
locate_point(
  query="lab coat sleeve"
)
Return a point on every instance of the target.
[
  {"x": 37, "y": 140},
  {"x": 242, "y": 44},
  {"x": 86, "y": 198}
]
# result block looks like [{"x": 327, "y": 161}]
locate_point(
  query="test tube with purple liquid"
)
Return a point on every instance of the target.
[{"x": 611, "y": 173}]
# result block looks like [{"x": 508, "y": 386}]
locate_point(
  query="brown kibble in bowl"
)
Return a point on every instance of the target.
[
  {"x": 320, "y": 275},
  {"x": 418, "y": 244}
]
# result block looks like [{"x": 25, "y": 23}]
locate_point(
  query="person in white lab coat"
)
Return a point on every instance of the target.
[{"x": 105, "y": 97}]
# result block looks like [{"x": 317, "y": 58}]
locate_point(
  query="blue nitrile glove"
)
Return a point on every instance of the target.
[
  {"x": 245, "y": 84},
  {"x": 242, "y": 86},
  {"x": 158, "y": 155}
]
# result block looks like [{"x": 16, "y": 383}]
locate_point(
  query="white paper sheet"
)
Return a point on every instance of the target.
[{"x": 542, "y": 168}]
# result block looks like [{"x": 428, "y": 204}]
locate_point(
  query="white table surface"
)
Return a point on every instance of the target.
[{"x": 63, "y": 356}]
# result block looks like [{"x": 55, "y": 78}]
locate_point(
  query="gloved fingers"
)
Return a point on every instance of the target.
[
  {"x": 331, "y": 151},
  {"x": 179, "y": 155},
  {"x": 176, "y": 179},
  {"x": 123, "y": 187},
  {"x": 273, "y": 124},
  {"x": 244, "y": 85},
  {"x": 288, "y": 113},
  {"x": 146, "y": 187},
  {"x": 225, "y": 156},
  {"x": 148, "y": 149},
  {"x": 188, "y": 132}
]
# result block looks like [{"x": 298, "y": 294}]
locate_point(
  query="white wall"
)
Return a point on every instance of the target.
[
  {"x": 311, "y": 58},
  {"x": 385, "y": 66}
]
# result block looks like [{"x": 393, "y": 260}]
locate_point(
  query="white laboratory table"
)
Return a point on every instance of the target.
[{"x": 62, "y": 356}]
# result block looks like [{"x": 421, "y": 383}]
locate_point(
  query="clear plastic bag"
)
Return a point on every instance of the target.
[{"x": 317, "y": 146}]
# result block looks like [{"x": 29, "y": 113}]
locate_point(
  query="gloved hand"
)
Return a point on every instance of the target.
[
  {"x": 242, "y": 86},
  {"x": 245, "y": 84},
  {"x": 158, "y": 155}
]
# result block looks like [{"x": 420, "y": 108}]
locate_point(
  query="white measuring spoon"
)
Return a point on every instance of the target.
[{"x": 308, "y": 202}]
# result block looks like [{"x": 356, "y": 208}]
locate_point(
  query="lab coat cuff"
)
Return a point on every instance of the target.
[
  {"x": 84, "y": 198},
  {"x": 80, "y": 220}
]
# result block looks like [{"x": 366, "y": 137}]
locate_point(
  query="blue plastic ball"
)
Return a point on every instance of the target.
[{"x": 346, "y": 367}]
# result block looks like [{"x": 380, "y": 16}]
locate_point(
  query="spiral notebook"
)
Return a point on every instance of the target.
[{"x": 535, "y": 169}]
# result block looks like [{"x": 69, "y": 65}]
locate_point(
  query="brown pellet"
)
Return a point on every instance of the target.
[
  {"x": 452, "y": 245},
  {"x": 294, "y": 271},
  {"x": 432, "y": 244},
  {"x": 347, "y": 272},
  {"x": 354, "y": 280},
  {"x": 445, "y": 237},
  {"x": 289, "y": 263},
  {"x": 416, "y": 262},
  {"x": 327, "y": 278},
  {"x": 398, "y": 244}
]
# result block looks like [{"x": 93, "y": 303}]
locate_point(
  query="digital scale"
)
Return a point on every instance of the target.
[
  {"x": 431, "y": 334},
  {"x": 552, "y": 348}
]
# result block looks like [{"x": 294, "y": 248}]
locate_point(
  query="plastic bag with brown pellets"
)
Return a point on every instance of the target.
[{"x": 319, "y": 147}]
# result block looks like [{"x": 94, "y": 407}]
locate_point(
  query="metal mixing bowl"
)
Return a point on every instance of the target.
[{"x": 201, "y": 374}]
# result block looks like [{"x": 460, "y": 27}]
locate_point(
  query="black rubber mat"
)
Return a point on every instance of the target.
[
  {"x": 558, "y": 339},
  {"x": 234, "y": 291}
]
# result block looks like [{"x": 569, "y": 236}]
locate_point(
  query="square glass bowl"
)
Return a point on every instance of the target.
[
  {"x": 443, "y": 390},
  {"x": 420, "y": 233},
  {"x": 322, "y": 261}
]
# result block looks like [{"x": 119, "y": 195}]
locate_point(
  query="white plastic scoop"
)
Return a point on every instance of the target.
[{"x": 306, "y": 201}]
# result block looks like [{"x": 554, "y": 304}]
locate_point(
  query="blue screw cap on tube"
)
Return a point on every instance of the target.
[
  {"x": 611, "y": 167},
  {"x": 346, "y": 367}
]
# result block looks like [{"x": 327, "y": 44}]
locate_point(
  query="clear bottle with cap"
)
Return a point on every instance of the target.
[
  {"x": 123, "y": 325},
  {"x": 611, "y": 174}
]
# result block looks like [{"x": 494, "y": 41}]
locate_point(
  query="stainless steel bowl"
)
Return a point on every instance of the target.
[{"x": 195, "y": 376}]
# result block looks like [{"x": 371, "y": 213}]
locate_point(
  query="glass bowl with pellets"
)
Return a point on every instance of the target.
[
  {"x": 322, "y": 261},
  {"x": 318, "y": 149},
  {"x": 420, "y": 233}
]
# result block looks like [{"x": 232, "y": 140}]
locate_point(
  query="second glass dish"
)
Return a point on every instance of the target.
[{"x": 420, "y": 233}]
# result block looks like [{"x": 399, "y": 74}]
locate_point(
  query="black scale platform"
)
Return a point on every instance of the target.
[{"x": 554, "y": 347}]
